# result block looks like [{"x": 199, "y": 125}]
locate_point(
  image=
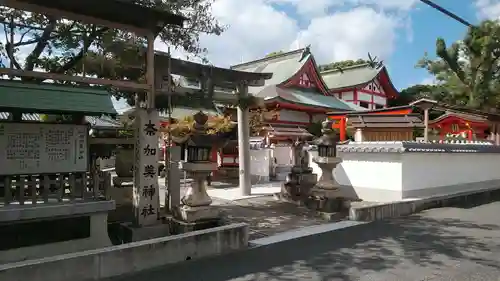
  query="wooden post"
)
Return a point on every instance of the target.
[
  {"x": 426, "y": 125},
  {"x": 244, "y": 143},
  {"x": 174, "y": 179}
]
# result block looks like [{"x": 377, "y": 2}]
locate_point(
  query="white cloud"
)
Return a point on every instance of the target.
[
  {"x": 350, "y": 35},
  {"x": 258, "y": 28},
  {"x": 428, "y": 81},
  {"x": 321, "y": 7},
  {"x": 253, "y": 31},
  {"x": 488, "y": 8}
]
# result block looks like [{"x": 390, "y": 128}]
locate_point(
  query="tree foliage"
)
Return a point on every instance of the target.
[
  {"x": 468, "y": 70},
  {"x": 342, "y": 64},
  {"x": 259, "y": 118},
  {"x": 415, "y": 92},
  {"x": 70, "y": 47},
  {"x": 272, "y": 54}
]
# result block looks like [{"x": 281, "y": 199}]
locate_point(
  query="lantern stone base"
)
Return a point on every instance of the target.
[
  {"x": 298, "y": 185},
  {"x": 178, "y": 226},
  {"x": 130, "y": 233},
  {"x": 195, "y": 214}
]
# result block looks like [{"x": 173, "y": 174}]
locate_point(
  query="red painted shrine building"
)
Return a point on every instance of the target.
[
  {"x": 361, "y": 85},
  {"x": 296, "y": 92},
  {"x": 469, "y": 126}
]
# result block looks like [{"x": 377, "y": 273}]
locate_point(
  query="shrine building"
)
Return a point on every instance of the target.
[
  {"x": 362, "y": 85},
  {"x": 296, "y": 92}
]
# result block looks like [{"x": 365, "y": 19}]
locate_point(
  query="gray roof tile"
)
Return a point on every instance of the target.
[{"x": 349, "y": 76}]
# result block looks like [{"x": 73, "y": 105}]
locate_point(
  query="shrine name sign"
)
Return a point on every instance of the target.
[{"x": 38, "y": 148}]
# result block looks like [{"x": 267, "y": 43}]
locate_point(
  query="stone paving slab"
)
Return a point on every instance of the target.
[{"x": 267, "y": 216}]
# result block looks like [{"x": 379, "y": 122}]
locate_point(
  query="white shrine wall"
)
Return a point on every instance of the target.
[
  {"x": 283, "y": 155},
  {"x": 393, "y": 171},
  {"x": 260, "y": 164}
]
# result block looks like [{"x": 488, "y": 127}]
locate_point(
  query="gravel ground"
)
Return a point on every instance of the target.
[{"x": 439, "y": 244}]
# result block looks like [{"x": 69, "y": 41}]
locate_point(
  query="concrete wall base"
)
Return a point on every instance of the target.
[
  {"x": 379, "y": 211},
  {"x": 133, "y": 234},
  {"x": 98, "y": 238},
  {"x": 129, "y": 258}
]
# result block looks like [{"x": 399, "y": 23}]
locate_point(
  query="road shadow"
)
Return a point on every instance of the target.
[{"x": 396, "y": 247}]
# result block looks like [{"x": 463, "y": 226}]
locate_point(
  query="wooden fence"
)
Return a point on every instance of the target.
[{"x": 54, "y": 188}]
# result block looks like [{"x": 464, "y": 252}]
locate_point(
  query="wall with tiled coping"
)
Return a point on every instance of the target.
[{"x": 393, "y": 171}]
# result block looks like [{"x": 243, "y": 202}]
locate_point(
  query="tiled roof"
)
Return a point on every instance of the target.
[
  {"x": 416, "y": 147},
  {"x": 54, "y": 99},
  {"x": 282, "y": 66},
  {"x": 306, "y": 98},
  {"x": 464, "y": 116},
  {"x": 349, "y": 76},
  {"x": 95, "y": 122}
]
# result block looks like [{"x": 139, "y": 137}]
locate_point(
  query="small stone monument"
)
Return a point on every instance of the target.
[
  {"x": 301, "y": 179},
  {"x": 196, "y": 211}
]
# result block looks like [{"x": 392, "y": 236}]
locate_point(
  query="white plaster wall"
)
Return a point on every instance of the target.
[
  {"x": 292, "y": 115},
  {"x": 348, "y": 95},
  {"x": 427, "y": 170},
  {"x": 379, "y": 100},
  {"x": 260, "y": 162},
  {"x": 364, "y": 97},
  {"x": 366, "y": 174},
  {"x": 385, "y": 177},
  {"x": 283, "y": 155},
  {"x": 370, "y": 170}
]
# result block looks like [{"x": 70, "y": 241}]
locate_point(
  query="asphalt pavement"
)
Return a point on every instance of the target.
[{"x": 438, "y": 244}]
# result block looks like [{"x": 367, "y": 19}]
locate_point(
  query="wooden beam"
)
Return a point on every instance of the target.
[
  {"x": 218, "y": 74},
  {"x": 78, "y": 79},
  {"x": 116, "y": 141},
  {"x": 68, "y": 15}
]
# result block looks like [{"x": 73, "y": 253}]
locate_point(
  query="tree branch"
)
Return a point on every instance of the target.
[
  {"x": 71, "y": 63},
  {"x": 41, "y": 44},
  {"x": 9, "y": 49}
]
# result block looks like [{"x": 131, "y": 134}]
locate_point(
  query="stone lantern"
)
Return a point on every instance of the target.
[
  {"x": 196, "y": 202},
  {"x": 301, "y": 178},
  {"x": 327, "y": 160}
]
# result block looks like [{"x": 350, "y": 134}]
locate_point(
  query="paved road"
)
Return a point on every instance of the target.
[{"x": 440, "y": 244}]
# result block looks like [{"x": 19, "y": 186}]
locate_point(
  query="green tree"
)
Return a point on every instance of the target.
[
  {"x": 415, "y": 92},
  {"x": 468, "y": 70},
  {"x": 272, "y": 54},
  {"x": 342, "y": 64},
  {"x": 69, "y": 47}
]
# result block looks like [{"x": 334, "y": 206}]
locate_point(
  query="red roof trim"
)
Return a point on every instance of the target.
[
  {"x": 386, "y": 83},
  {"x": 310, "y": 69}
]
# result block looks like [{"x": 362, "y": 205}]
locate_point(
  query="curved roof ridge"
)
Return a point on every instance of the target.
[
  {"x": 335, "y": 70},
  {"x": 269, "y": 59}
]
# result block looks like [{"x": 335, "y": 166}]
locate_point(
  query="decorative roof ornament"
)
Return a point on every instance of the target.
[{"x": 373, "y": 63}]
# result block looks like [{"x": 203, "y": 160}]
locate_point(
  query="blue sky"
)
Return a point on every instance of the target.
[
  {"x": 399, "y": 31},
  {"x": 427, "y": 25}
]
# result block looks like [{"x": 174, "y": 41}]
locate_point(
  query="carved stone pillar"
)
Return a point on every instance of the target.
[{"x": 146, "y": 193}]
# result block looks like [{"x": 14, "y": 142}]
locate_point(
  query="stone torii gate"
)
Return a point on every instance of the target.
[{"x": 147, "y": 22}]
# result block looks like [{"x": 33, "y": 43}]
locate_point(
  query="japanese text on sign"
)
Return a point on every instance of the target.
[{"x": 29, "y": 148}]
